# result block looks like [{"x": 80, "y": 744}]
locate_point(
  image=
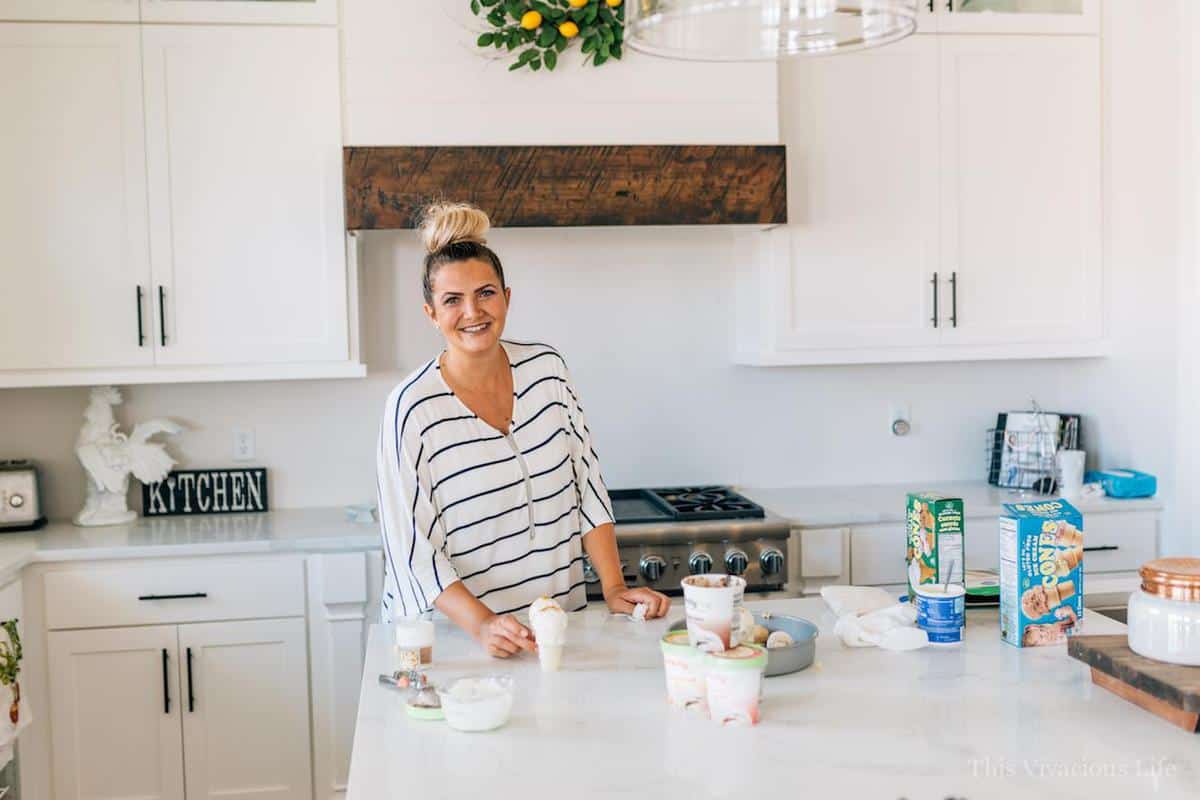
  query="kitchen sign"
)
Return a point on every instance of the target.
[{"x": 206, "y": 491}]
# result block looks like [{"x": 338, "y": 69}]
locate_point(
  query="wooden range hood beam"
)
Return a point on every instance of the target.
[{"x": 524, "y": 187}]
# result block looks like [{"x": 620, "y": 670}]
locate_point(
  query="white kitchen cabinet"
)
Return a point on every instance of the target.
[
  {"x": 1013, "y": 16},
  {"x": 309, "y": 12},
  {"x": 1020, "y": 189},
  {"x": 115, "y": 714},
  {"x": 73, "y": 200},
  {"x": 244, "y": 704},
  {"x": 245, "y": 187},
  {"x": 69, "y": 11},
  {"x": 822, "y": 556},
  {"x": 338, "y": 620},
  {"x": 954, "y": 217}
]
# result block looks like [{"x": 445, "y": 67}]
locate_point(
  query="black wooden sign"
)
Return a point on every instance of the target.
[{"x": 206, "y": 491}]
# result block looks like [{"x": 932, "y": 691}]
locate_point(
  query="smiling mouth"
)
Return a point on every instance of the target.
[{"x": 480, "y": 328}]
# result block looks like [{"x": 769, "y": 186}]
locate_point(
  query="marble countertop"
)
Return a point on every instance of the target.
[
  {"x": 304, "y": 530},
  {"x": 825, "y": 506},
  {"x": 982, "y": 720}
]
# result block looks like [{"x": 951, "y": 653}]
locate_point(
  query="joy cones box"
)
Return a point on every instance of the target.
[
  {"x": 1041, "y": 572},
  {"x": 935, "y": 540}
]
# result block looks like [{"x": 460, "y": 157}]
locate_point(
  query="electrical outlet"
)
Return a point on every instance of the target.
[
  {"x": 243, "y": 444},
  {"x": 900, "y": 418}
]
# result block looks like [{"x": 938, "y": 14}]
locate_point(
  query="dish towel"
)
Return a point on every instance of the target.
[{"x": 870, "y": 617}]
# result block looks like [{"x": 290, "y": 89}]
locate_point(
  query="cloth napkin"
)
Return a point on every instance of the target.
[{"x": 870, "y": 617}]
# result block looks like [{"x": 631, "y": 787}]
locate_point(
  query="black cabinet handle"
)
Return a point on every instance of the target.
[
  {"x": 954, "y": 299},
  {"x": 935, "y": 299},
  {"x": 1101, "y": 548},
  {"x": 141, "y": 332},
  {"x": 191, "y": 697},
  {"x": 172, "y": 596},
  {"x": 930, "y": 4},
  {"x": 166, "y": 688},
  {"x": 162, "y": 317}
]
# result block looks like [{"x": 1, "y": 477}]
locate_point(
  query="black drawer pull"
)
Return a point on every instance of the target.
[
  {"x": 191, "y": 697},
  {"x": 1101, "y": 547},
  {"x": 141, "y": 333},
  {"x": 191, "y": 596},
  {"x": 166, "y": 689}
]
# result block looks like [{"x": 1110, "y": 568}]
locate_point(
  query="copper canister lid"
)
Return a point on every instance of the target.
[{"x": 1173, "y": 578}]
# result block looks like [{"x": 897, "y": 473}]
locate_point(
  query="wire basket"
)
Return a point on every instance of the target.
[{"x": 1022, "y": 455}]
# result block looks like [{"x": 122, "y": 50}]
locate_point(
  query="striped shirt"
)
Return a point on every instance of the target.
[{"x": 504, "y": 514}]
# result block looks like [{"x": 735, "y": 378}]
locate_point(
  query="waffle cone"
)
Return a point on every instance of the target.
[
  {"x": 1068, "y": 560},
  {"x": 1069, "y": 536},
  {"x": 1061, "y": 592}
]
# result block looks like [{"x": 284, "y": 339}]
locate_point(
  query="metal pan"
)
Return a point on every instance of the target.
[{"x": 782, "y": 660}]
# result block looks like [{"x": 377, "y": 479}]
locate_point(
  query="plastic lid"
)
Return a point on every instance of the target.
[
  {"x": 675, "y": 639},
  {"x": 413, "y": 633}
]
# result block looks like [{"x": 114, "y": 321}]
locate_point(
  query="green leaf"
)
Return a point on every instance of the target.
[
  {"x": 588, "y": 45},
  {"x": 516, "y": 65},
  {"x": 615, "y": 51},
  {"x": 488, "y": 3},
  {"x": 510, "y": 40},
  {"x": 485, "y": 39},
  {"x": 600, "y": 59},
  {"x": 605, "y": 14},
  {"x": 551, "y": 59},
  {"x": 527, "y": 56},
  {"x": 590, "y": 16},
  {"x": 561, "y": 43},
  {"x": 535, "y": 64},
  {"x": 607, "y": 35},
  {"x": 474, "y": 6},
  {"x": 528, "y": 36},
  {"x": 496, "y": 17},
  {"x": 514, "y": 8},
  {"x": 541, "y": 8},
  {"x": 605, "y": 50},
  {"x": 547, "y": 37},
  {"x": 556, "y": 15}
]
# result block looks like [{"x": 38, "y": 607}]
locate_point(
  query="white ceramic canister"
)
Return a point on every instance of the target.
[{"x": 1164, "y": 614}]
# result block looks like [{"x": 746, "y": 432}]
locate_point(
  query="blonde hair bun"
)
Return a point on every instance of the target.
[{"x": 443, "y": 224}]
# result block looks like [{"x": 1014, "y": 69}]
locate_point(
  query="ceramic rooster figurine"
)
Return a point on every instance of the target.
[{"x": 108, "y": 456}]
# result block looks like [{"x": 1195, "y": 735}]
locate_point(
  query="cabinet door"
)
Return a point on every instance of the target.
[
  {"x": 1018, "y": 16},
  {"x": 256, "y": 11},
  {"x": 1021, "y": 188},
  {"x": 245, "y": 709},
  {"x": 73, "y": 197},
  {"x": 862, "y": 132},
  {"x": 69, "y": 10},
  {"x": 244, "y": 159},
  {"x": 115, "y": 706}
]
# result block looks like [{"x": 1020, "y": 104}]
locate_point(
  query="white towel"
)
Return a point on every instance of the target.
[{"x": 870, "y": 617}]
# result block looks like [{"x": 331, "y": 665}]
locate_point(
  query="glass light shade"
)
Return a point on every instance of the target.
[{"x": 760, "y": 30}]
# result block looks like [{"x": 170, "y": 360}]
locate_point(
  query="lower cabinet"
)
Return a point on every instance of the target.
[{"x": 198, "y": 710}]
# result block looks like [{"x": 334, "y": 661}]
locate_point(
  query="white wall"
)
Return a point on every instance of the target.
[{"x": 644, "y": 318}]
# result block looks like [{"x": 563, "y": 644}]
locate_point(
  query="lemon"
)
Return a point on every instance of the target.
[
  {"x": 577, "y": 4},
  {"x": 613, "y": 3},
  {"x": 569, "y": 29},
  {"x": 530, "y": 20}
]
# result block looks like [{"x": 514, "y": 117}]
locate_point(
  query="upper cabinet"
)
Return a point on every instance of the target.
[
  {"x": 288, "y": 12},
  {"x": 954, "y": 216},
  {"x": 69, "y": 10},
  {"x": 1010, "y": 16},
  {"x": 244, "y": 159},
  {"x": 73, "y": 200}
]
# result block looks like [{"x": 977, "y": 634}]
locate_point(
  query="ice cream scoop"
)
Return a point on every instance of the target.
[{"x": 549, "y": 623}]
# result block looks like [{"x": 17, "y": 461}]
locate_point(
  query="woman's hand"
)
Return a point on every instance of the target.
[
  {"x": 622, "y": 599},
  {"x": 503, "y": 636}
]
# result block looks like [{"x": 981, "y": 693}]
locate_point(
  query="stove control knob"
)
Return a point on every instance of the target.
[
  {"x": 736, "y": 562},
  {"x": 16, "y": 501},
  {"x": 771, "y": 561},
  {"x": 653, "y": 567},
  {"x": 700, "y": 563}
]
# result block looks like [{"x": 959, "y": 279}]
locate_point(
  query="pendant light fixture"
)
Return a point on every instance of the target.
[{"x": 761, "y": 30}]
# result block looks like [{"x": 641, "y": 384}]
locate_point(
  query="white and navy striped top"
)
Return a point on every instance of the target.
[{"x": 458, "y": 500}]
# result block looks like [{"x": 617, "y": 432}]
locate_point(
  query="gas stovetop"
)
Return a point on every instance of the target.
[
  {"x": 682, "y": 504},
  {"x": 664, "y": 535}
]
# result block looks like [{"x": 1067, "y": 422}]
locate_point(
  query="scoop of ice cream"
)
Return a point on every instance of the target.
[
  {"x": 1035, "y": 603},
  {"x": 548, "y": 620},
  {"x": 779, "y": 639}
]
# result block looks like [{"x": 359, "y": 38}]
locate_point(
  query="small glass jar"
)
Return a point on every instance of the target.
[
  {"x": 413, "y": 638},
  {"x": 1164, "y": 614}
]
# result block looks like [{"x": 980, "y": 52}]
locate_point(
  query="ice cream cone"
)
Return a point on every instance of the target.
[
  {"x": 1068, "y": 535},
  {"x": 1068, "y": 560},
  {"x": 550, "y": 656},
  {"x": 1060, "y": 592}
]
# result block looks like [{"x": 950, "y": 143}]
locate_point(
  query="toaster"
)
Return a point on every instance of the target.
[{"x": 20, "y": 503}]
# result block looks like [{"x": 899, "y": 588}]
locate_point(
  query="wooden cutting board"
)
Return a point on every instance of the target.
[{"x": 1171, "y": 691}]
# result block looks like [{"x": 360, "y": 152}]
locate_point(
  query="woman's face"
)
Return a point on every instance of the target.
[{"x": 469, "y": 307}]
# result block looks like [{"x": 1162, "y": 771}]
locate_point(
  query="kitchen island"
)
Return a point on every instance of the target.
[{"x": 982, "y": 720}]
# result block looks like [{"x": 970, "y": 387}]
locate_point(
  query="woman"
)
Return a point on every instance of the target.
[{"x": 489, "y": 489}]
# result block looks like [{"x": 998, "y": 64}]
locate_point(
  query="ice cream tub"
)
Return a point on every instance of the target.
[
  {"x": 941, "y": 612},
  {"x": 1041, "y": 572},
  {"x": 713, "y": 608},
  {"x": 684, "y": 666},
  {"x": 733, "y": 681}
]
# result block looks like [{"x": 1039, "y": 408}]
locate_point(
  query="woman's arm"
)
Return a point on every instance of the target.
[
  {"x": 601, "y": 546},
  {"x": 501, "y": 635}
]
